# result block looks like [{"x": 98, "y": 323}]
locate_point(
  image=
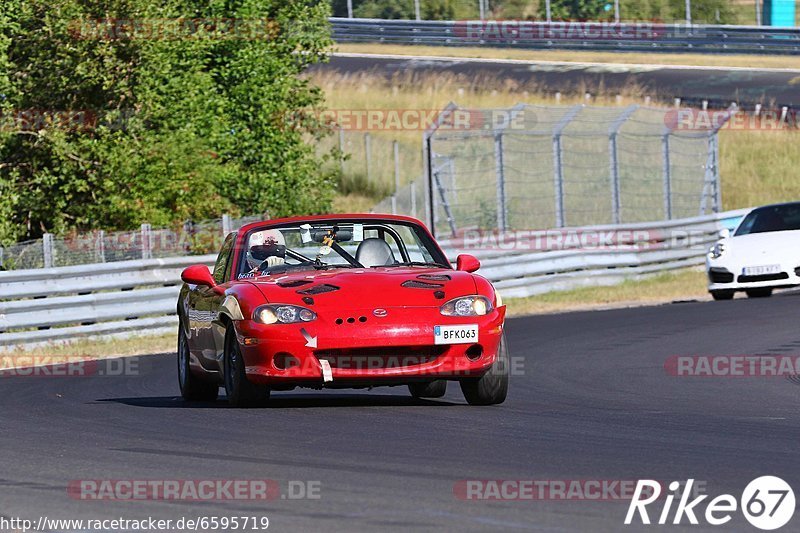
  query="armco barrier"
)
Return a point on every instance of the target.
[
  {"x": 571, "y": 36},
  {"x": 134, "y": 297}
]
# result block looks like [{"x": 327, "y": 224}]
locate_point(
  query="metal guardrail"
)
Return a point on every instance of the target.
[
  {"x": 572, "y": 35},
  {"x": 64, "y": 303},
  {"x": 135, "y": 297}
]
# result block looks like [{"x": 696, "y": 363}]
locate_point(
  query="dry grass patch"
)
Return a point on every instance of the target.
[
  {"x": 687, "y": 284},
  {"x": 706, "y": 60}
]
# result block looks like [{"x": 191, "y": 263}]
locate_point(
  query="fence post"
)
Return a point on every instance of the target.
[
  {"x": 667, "y": 170},
  {"x": 396, "y": 150},
  {"x": 100, "y": 247},
  {"x": 501, "y": 181},
  {"x": 368, "y": 155},
  {"x": 394, "y": 204},
  {"x": 414, "y": 199},
  {"x": 341, "y": 151},
  {"x": 147, "y": 249},
  {"x": 227, "y": 226},
  {"x": 615, "y": 189},
  {"x": 416, "y": 9},
  {"x": 717, "y": 184},
  {"x": 47, "y": 247},
  {"x": 616, "y": 202},
  {"x": 558, "y": 169}
]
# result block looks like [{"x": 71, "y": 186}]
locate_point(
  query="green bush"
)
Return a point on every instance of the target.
[{"x": 178, "y": 127}]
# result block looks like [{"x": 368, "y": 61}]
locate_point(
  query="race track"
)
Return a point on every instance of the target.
[
  {"x": 773, "y": 88},
  {"x": 590, "y": 399}
]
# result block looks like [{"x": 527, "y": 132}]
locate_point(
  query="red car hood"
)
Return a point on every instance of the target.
[{"x": 358, "y": 288}]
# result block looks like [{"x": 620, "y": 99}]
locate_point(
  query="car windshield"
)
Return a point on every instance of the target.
[
  {"x": 331, "y": 244},
  {"x": 771, "y": 218}
]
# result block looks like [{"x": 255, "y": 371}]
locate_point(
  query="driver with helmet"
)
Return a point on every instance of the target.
[{"x": 267, "y": 249}]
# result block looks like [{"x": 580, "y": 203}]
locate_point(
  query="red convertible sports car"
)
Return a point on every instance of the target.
[{"x": 339, "y": 301}]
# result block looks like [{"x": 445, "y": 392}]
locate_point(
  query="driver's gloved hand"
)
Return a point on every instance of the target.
[{"x": 274, "y": 261}]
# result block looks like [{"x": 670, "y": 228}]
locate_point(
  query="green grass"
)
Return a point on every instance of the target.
[{"x": 679, "y": 285}]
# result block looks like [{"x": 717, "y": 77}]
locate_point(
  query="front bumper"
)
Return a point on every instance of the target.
[
  {"x": 362, "y": 349},
  {"x": 730, "y": 276}
]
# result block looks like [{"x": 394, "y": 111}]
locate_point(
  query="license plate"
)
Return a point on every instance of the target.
[
  {"x": 761, "y": 270},
  {"x": 455, "y": 334}
]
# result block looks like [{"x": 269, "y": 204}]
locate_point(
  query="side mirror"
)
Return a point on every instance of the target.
[
  {"x": 724, "y": 233},
  {"x": 198, "y": 275},
  {"x": 467, "y": 263}
]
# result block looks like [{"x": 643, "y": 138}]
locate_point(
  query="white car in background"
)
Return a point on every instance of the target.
[{"x": 762, "y": 254}]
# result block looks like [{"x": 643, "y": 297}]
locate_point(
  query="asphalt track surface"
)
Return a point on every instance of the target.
[
  {"x": 589, "y": 399},
  {"x": 773, "y": 88}
]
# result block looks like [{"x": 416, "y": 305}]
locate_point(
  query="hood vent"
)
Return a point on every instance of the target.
[
  {"x": 319, "y": 289},
  {"x": 293, "y": 283},
  {"x": 415, "y": 284},
  {"x": 435, "y": 277}
]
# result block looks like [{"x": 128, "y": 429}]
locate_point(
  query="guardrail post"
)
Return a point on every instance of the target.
[
  {"x": 227, "y": 225},
  {"x": 499, "y": 165},
  {"x": 47, "y": 248},
  {"x": 667, "y": 171},
  {"x": 147, "y": 248}
]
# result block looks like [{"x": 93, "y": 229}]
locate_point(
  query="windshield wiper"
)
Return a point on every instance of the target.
[{"x": 418, "y": 263}]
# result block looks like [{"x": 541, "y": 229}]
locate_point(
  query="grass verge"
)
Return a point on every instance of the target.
[
  {"x": 687, "y": 284},
  {"x": 82, "y": 350},
  {"x": 704, "y": 60}
]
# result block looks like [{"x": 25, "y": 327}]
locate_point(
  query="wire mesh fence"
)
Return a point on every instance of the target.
[
  {"x": 190, "y": 238},
  {"x": 558, "y": 166}
]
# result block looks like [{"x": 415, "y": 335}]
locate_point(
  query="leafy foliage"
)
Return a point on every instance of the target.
[{"x": 160, "y": 127}]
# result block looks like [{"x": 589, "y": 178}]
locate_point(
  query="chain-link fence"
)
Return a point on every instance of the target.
[
  {"x": 532, "y": 167},
  {"x": 190, "y": 238}
]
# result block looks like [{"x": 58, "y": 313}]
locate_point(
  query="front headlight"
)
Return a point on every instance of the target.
[
  {"x": 283, "y": 314},
  {"x": 717, "y": 250},
  {"x": 467, "y": 306}
]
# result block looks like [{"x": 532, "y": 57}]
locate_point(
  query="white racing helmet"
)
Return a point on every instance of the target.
[{"x": 266, "y": 245}]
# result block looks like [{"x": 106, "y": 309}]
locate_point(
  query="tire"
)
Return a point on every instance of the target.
[
  {"x": 240, "y": 391},
  {"x": 193, "y": 389},
  {"x": 433, "y": 389},
  {"x": 722, "y": 295},
  {"x": 759, "y": 293},
  {"x": 492, "y": 387}
]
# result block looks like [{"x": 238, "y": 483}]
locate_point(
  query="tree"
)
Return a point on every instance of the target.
[{"x": 109, "y": 124}]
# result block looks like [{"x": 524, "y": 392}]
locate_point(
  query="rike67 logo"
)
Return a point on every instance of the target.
[{"x": 767, "y": 503}]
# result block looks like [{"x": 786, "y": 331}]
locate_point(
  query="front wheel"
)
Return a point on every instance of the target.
[
  {"x": 193, "y": 388},
  {"x": 722, "y": 295},
  {"x": 240, "y": 391},
  {"x": 759, "y": 293},
  {"x": 433, "y": 389},
  {"x": 492, "y": 387}
]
